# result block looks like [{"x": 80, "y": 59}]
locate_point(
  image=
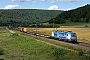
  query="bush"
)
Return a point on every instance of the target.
[
  {"x": 80, "y": 53},
  {"x": 14, "y": 34},
  {"x": 86, "y": 25},
  {"x": 1, "y": 59},
  {"x": 1, "y": 51},
  {"x": 59, "y": 54},
  {"x": 88, "y": 57}
]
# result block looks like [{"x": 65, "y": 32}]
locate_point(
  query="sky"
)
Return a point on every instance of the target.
[{"x": 43, "y": 4}]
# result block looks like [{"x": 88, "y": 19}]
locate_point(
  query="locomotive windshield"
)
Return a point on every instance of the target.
[{"x": 73, "y": 34}]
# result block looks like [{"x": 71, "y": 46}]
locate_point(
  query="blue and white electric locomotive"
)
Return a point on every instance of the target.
[{"x": 66, "y": 36}]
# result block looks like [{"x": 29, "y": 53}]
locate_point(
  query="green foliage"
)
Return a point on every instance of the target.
[
  {"x": 25, "y": 17},
  {"x": 89, "y": 56},
  {"x": 80, "y": 53},
  {"x": 86, "y": 25},
  {"x": 14, "y": 35},
  {"x": 80, "y": 14},
  {"x": 1, "y": 51},
  {"x": 1, "y": 59},
  {"x": 50, "y": 26},
  {"x": 84, "y": 56},
  {"x": 59, "y": 54}
]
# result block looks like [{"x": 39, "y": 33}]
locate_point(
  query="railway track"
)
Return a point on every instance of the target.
[
  {"x": 81, "y": 45},
  {"x": 84, "y": 44}
]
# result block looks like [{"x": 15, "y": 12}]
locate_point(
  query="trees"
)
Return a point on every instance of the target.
[
  {"x": 25, "y": 17},
  {"x": 88, "y": 17},
  {"x": 80, "y": 14}
]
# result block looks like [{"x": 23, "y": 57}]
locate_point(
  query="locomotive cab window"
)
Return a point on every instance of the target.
[{"x": 73, "y": 34}]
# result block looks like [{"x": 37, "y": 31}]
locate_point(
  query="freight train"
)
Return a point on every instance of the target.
[{"x": 60, "y": 35}]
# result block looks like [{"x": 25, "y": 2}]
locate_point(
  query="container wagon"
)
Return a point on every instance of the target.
[
  {"x": 23, "y": 29},
  {"x": 66, "y": 36}
]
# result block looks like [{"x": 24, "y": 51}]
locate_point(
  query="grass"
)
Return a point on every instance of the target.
[
  {"x": 25, "y": 47},
  {"x": 4, "y": 32},
  {"x": 20, "y": 47},
  {"x": 78, "y": 25},
  {"x": 28, "y": 49}
]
